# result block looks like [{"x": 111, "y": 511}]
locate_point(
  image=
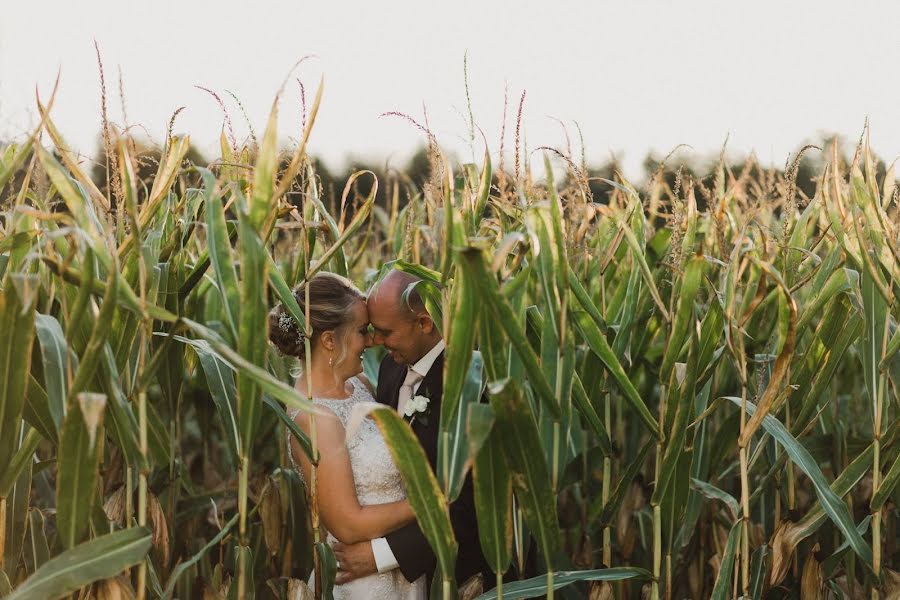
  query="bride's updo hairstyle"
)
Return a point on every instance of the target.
[{"x": 331, "y": 301}]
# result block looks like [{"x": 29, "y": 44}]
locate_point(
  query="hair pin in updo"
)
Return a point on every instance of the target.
[{"x": 286, "y": 321}]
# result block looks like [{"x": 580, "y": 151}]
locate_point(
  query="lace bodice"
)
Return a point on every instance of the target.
[
  {"x": 374, "y": 472},
  {"x": 377, "y": 482}
]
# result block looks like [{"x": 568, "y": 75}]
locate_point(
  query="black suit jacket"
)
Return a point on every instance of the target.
[{"x": 410, "y": 548}]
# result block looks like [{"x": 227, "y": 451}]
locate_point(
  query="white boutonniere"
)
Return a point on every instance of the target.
[{"x": 417, "y": 407}]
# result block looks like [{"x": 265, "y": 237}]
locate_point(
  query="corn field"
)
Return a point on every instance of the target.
[{"x": 692, "y": 388}]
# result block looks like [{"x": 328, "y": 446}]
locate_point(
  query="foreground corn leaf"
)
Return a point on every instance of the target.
[
  {"x": 79, "y": 461},
  {"x": 214, "y": 344},
  {"x": 493, "y": 496},
  {"x": 454, "y": 441},
  {"x": 17, "y": 324},
  {"x": 101, "y": 558},
  {"x": 251, "y": 342},
  {"x": 532, "y": 588},
  {"x": 424, "y": 493},
  {"x": 462, "y": 323},
  {"x": 519, "y": 438}
]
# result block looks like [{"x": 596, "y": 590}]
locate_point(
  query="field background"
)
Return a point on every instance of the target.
[{"x": 693, "y": 385}]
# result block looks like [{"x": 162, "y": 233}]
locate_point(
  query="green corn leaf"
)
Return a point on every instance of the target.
[
  {"x": 586, "y": 408},
  {"x": 36, "y": 411},
  {"x": 213, "y": 343},
  {"x": 603, "y": 514},
  {"x": 547, "y": 261},
  {"x": 92, "y": 354},
  {"x": 339, "y": 261},
  {"x": 243, "y": 585},
  {"x": 79, "y": 459},
  {"x": 484, "y": 188},
  {"x": 533, "y": 588},
  {"x": 16, "y": 518},
  {"x": 682, "y": 405},
  {"x": 17, "y": 324},
  {"x": 454, "y": 433},
  {"x": 722, "y": 587},
  {"x": 182, "y": 567},
  {"x": 758, "y": 572},
  {"x": 419, "y": 271},
  {"x": 284, "y": 292},
  {"x": 429, "y": 504},
  {"x": 713, "y": 493},
  {"x": 101, "y": 558},
  {"x": 79, "y": 205},
  {"x": 684, "y": 314},
  {"x": 262, "y": 200},
  {"x": 168, "y": 171},
  {"x": 220, "y": 379},
  {"x": 840, "y": 281},
  {"x": 219, "y": 247},
  {"x": 886, "y": 487},
  {"x": 557, "y": 227},
  {"x": 584, "y": 300},
  {"x": 252, "y": 340},
  {"x": 520, "y": 441},
  {"x": 493, "y": 497},
  {"x": 56, "y": 359},
  {"x": 298, "y": 433},
  {"x": 578, "y": 394},
  {"x": 463, "y": 324},
  {"x": 830, "y": 563},
  {"x": 23, "y": 458},
  {"x": 874, "y": 309},
  {"x": 359, "y": 218},
  {"x": 831, "y": 502},
  {"x": 37, "y": 551},
  {"x": 637, "y": 252},
  {"x": 501, "y": 310},
  {"x": 598, "y": 344},
  {"x": 699, "y": 469},
  {"x": 328, "y": 568}
]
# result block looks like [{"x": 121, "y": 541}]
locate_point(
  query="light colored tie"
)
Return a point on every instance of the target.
[{"x": 407, "y": 389}]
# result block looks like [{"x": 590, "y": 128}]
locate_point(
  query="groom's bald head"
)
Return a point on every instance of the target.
[
  {"x": 399, "y": 318},
  {"x": 391, "y": 288}
]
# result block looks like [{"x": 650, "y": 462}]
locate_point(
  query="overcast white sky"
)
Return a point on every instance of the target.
[{"x": 638, "y": 76}]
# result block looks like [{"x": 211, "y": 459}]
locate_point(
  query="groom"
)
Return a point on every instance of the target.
[{"x": 413, "y": 366}]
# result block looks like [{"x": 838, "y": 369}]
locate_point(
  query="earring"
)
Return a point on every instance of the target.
[{"x": 330, "y": 361}]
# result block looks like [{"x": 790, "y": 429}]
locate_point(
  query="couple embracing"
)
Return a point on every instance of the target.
[{"x": 381, "y": 551}]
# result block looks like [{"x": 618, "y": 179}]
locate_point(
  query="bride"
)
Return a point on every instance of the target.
[{"x": 360, "y": 493}]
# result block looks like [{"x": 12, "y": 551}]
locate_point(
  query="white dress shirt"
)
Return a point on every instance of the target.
[{"x": 384, "y": 558}]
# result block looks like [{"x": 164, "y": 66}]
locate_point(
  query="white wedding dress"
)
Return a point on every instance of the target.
[{"x": 377, "y": 482}]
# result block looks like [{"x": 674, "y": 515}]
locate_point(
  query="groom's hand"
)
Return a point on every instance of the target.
[{"x": 355, "y": 560}]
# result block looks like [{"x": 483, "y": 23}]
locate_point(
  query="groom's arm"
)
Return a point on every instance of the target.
[{"x": 411, "y": 550}]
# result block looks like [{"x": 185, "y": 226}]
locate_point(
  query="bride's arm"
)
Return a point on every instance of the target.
[{"x": 339, "y": 507}]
